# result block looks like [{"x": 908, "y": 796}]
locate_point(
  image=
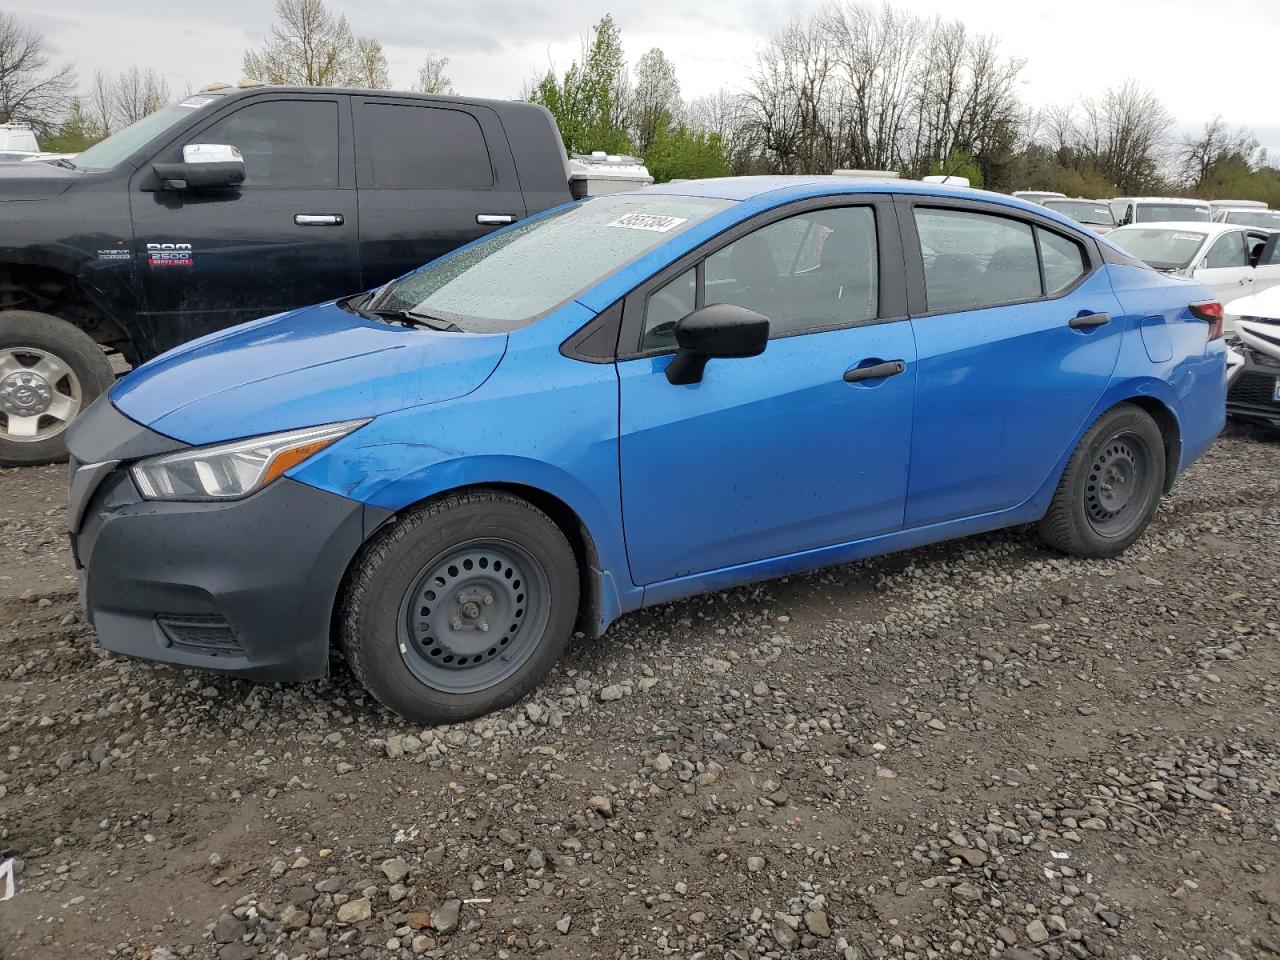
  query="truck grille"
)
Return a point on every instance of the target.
[
  {"x": 1253, "y": 389},
  {"x": 210, "y": 635}
]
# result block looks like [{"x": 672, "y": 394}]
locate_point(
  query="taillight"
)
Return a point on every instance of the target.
[{"x": 1210, "y": 311}]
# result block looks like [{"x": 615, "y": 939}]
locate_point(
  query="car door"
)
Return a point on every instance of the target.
[
  {"x": 1015, "y": 346},
  {"x": 1225, "y": 266},
  {"x": 432, "y": 176},
  {"x": 1266, "y": 259},
  {"x": 800, "y": 447},
  {"x": 286, "y": 238}
]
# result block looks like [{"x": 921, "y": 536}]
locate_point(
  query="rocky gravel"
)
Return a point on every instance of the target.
[{"x": 977, "y": 749}]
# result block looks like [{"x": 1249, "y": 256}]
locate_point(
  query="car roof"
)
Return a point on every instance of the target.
[
  {"x": 1197, "y": 226},
  {"x": 788, "y": 187}
]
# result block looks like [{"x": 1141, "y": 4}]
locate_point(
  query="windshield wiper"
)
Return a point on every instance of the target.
[
  {"x": 62, "y": 162},
  {"x": 411, "y": 319}
]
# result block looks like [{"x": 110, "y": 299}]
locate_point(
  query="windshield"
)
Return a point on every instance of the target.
[
  {"x": 1255, "y": 218},
  {"x": 1162, "y": 249},
  {"x": 513, "y": 277},
  {"x": 1165, "y": 212},
  {"x": 1083, "y": 211},
  {"x": 111, "y": 152}
]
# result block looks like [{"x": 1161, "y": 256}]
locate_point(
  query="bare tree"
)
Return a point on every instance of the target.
[
  {"x": 432, "y": 77},
  {"x": 726, "y": 115},
  {"x": 135, "y": 94},
  {"x": 371, "y": 70},
  {"x": 1125, "y": 132},
  {"x": 310, "y": 47},
  {"x": 1200, "y": 155},
  {"x": 100, "y": 104},
  {"x": 32, "y": 91},
  {"x": 655, "y": 101}
]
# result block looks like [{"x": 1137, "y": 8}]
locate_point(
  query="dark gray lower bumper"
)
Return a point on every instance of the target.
[
  {"x": 1251, "y": 395},
  {"x": 245, "y": 587}
]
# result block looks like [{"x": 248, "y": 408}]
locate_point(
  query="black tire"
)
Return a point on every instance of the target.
[
  {"x": 89, "y": 374},
  {"x": 1110, "y": 488},
  {"x": 392, "y": 641}
]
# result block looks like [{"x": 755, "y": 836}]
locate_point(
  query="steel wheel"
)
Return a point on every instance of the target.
[
  {"x": 1118, "y": 488},
  {"x": 39, "y": 394},
  {"x": 473, "y": 616}
]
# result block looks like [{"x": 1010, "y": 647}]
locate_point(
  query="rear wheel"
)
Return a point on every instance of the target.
[
  {"x": 50, "y": 371},
  {"x": 1110, "y": 488},
  {"x": 460, "y": 607}
]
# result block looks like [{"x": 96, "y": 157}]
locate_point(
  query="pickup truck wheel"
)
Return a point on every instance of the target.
[
  {"x": 49, "y": 371},
  {"x": 460, "y": 607}
]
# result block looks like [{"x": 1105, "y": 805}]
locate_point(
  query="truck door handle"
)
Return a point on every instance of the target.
[
  {"x": 1087, "y": 320},
  {"x": 318, "y": 219},
  {"x": 494, "y": 219},
  {"x": 890, "y": 368}
]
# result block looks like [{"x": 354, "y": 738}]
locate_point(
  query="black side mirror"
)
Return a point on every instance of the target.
[{"x": 720, "y": 330}]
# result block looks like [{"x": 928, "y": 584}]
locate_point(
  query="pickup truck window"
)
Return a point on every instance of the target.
[
  {"x": 415, "y": 148},
  {"x": 511, "y": 278},
  {"x": 111, "y": 152},
  {"x": 285, "y": 143}
]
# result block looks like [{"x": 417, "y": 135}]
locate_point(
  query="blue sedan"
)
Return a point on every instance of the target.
[{"x": 626, "y": 401}]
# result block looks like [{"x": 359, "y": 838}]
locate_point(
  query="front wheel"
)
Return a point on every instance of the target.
[
  {"x": 460, "y": 607},
  {"x": 1110, "y": 488},
  {"x": 50, "y": 371}
]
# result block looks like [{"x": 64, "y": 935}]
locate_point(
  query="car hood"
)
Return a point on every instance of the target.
[
  {"x": 304, "y": 368},
  {"x": 35, "y": 180},
  {"x": 1265, "y": 304}
]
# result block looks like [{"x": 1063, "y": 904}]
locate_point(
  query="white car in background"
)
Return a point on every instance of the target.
[
  {"x": 1160, "y": 210},
  {"x": 1253, "y": 358},
  {"x": 1094, "y": 214},
  {"x": 1267, "y": 219},
  {"x": 1222, "y": 207},
  {"x": 1233, "y": 261},
  {"x": 1038, "y": 196}
]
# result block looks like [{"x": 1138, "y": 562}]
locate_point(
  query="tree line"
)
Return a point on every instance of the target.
[{"x": 849, "y": 86}]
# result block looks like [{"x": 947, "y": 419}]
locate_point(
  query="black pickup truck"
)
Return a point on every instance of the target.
[{"x": 234, "y": 204}]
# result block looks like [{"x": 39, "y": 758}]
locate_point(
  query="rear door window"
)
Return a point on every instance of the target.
[
  {"x": 1064, "y": 261},
  {"x": 974, "y": 260},
  {"x": 1229, "y": 250},
  {"x": 424, "y": 148}
]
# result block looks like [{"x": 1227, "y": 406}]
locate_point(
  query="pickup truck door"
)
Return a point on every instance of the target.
[
  {"x": 431, "y": 178},
  {"x": 211, "y": 258}
]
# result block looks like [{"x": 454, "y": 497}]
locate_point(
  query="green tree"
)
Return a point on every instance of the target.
[
  {"x": 589, "y": 101},
  {"x": 655, "y": 100},
  {"x": 678, "y": 153},
  {"x": 78, "y": 131},
  {"x": 958, "y": 164}
]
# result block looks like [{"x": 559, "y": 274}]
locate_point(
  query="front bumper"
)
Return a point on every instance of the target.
[
  {"x": 244, "y": 587},
  {"x": 1251, "y": 393}
]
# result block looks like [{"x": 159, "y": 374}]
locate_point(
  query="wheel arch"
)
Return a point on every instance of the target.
[
  {"x": 58, "y": 288},
  {"x": 1170, "y": 431},
  {"x": 598, "y": 600}
]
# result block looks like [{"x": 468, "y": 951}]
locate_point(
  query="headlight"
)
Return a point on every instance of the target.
[{"x": 229, "y": 471}]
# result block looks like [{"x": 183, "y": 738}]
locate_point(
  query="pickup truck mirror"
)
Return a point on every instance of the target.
[{"x": 204, "y": 166}]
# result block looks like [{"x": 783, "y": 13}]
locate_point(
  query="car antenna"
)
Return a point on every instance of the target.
[{"x": 954, "y": 167}]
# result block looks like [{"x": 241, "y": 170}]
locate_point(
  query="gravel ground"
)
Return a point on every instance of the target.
[{"x": 978, "y": 749}]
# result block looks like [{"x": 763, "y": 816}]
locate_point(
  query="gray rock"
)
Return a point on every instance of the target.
[
  {"x": 816, "y": 922},
  {"x": 564, "y": 923},
  {"x": 1036, "y": 931},
  {"x": 612, "y": 692},
  {"x": 355, "y": 911},
  {"x": 445, "y": 918},
  {"x": 755, "y": 864},
  {"x": 395, "y": 869},
  {"x": 968, "y": 892},
  {"x": 228, "y": 929}
]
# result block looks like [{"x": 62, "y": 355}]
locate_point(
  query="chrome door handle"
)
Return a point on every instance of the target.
[
  {"x": 318, "y": 219},
  {"x": 494, "y": 219}
]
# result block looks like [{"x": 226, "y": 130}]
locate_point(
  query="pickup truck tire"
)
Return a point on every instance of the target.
[
  {"x": 50, "y": 370},
  {"x": 461, "y": 606}
]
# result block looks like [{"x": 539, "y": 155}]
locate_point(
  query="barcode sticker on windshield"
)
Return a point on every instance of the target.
[
  {"x": 647, "y": 221},
  {"x": 1188, "y": 236}
]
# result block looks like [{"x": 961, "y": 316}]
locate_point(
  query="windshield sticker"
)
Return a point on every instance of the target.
[
  {"x": 192, "y": 103},
  {"x": 647, "y": 221},
  {"x": 1188, "y": 236},
  {"x": 169, "y": 255}
]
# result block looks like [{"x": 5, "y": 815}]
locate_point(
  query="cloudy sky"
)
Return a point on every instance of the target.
[{"x": 1202, "y": 59}]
